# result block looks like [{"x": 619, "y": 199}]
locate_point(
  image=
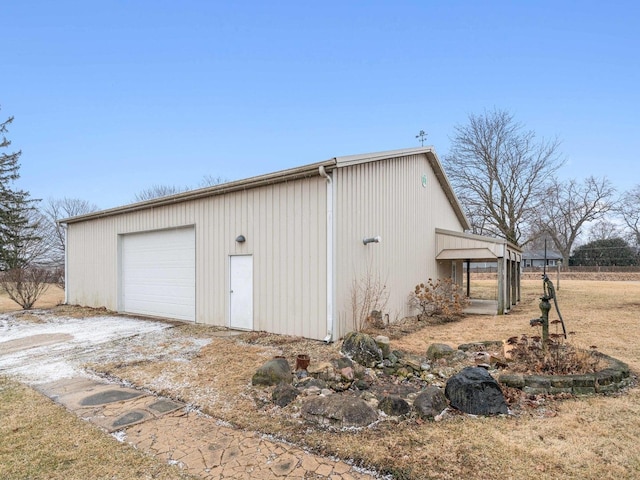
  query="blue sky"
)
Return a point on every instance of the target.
[{"x": 113, "y": 97}]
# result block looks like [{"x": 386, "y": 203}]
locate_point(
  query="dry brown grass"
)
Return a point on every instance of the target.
[
  {"x": 575, "y": 438},
  {"x": 41, "y": 440},
  {"x": 578, "y": 438}
]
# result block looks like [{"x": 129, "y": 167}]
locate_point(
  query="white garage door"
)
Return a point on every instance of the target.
[{"x": 159, "y": 273}]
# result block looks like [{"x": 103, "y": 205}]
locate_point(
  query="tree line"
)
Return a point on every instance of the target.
[
  {"x": 507, "y": 182},
  {"x": 505, "y": 178}
]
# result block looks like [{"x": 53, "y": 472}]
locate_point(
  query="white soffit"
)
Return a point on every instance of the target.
[{"x": 466, "y": 254}]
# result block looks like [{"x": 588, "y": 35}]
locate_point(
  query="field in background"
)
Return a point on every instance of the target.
[{"x": 577, "y": 438}]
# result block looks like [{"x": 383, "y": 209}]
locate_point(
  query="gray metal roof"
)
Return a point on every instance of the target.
[
  {"x": 539, "y": 255},
  {"x": 287, "y": 175}
]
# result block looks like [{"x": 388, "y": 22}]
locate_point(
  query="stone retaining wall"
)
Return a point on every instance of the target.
[{"x": 609, "y": 380}]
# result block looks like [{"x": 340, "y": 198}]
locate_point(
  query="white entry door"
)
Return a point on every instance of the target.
[{"x": 241, "y": 292}]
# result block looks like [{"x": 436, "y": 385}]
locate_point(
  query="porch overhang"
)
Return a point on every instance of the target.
[{"x": 459, "y": 246}]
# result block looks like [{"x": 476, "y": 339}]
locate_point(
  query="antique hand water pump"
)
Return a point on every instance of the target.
[{"x": 548, "y": 293}]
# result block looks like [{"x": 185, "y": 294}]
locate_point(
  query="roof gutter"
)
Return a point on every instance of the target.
[{"x": 246, "y": 184}]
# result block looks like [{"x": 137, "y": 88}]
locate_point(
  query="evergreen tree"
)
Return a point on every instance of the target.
[
  {"x": 17, "y": 231},
  {"x": 604, "y": 253}
]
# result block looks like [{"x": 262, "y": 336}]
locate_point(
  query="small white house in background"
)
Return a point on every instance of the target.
[
  {"x": 281, "y": 252},
  {"x": 538, "y": 258}
]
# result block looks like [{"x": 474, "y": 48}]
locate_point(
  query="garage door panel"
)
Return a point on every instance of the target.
[{"x": 158, "y": 273}]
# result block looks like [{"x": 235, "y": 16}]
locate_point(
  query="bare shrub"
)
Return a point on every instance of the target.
[
  {"x": 369, "y": 297},
  {"x": 57, "y": 277},
  {"x": 439, "y": 298},
  {"x": 25, "y": 285},
  {"x": 529, "y": 354}
]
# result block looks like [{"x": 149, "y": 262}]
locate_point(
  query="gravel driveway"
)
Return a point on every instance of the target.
[{"x": 37, "y": 347}]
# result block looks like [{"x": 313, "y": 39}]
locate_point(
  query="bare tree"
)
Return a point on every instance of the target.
[
  {"x": 57, "y": 209},
  {"x": 34, "y": 249},
  {"x": 604, "y": 229},
  {"x": 210, "y": 181},
  {"x": 499, "y": 171},
  {"x": 629, "y": 210},
  {"x": 157, "y": 191},
  {"x": 569, "y": 206}
]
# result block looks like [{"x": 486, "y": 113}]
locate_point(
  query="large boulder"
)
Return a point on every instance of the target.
[
  {"x": 430, "y": 402},
  {"x": 475, "y": 391},
  {"x": 338, "y": 411},
  {"x": 273, "y": 372},
  {"x": 361, "y": 348}
]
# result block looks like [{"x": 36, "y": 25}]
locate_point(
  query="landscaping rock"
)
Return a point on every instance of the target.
[
  {"x": 312, "y": 390},
  {"x": 393, "y": 405},
  {"x": 342, "y": 362},
  {"x": 430, "y": 402},
  {"x": 338, "y": 411},
  {"x": 413, "y": 362},
  {"x": 321, "y": 370},
  {"x": 284, "y": 394},
  {"x": 439, "y": 350},
  {"x": 474, "y": 391},
  {"x": 361, "y": 348},
  {"x": 515, "y": 380},
  {"x": 312, "y": 382},
  {"x": 361, "y": 385},
  {"x": 483, "y": 346},
  {"x": 371, "y": 400},
  {"x": 383, "y": 343},
  {"x": 346, "y": 374},
  {"x": 273, "y": 372},
  {"x": 375, "y": 319}
]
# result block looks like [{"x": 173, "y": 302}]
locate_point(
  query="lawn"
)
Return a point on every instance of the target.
[
  {"x": 572, "y": 438},
  {"x": 41, "y": 440},
  {"x": 581, "y": 438}
]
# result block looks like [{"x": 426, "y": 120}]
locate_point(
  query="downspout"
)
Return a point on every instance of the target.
[
  {"x": 330, "y": 255},
  {"x": 66, "y": 263}
]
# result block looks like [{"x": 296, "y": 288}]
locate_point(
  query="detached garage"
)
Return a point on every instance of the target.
[{"x": 279, "y": 252}]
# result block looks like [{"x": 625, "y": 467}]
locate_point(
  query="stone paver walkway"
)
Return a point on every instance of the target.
[{"x": 196, "y": 443}]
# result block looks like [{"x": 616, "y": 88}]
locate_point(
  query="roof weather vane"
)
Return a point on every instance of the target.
[{"x": 422, "y": 136}]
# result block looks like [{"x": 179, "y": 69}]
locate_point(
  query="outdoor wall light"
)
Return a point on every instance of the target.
[
  {"x": 377, "y": 239},
  {"x": 240, "y": 239}
]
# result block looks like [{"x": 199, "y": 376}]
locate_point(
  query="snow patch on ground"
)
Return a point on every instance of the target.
[
  {"x": 120, "y": 435},
  {"x": 48, "y": 363}
]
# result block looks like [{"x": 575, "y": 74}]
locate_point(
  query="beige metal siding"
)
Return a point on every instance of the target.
[
  {"x": 387, "y": 198},
  {"x": 285, "y": 229}
]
